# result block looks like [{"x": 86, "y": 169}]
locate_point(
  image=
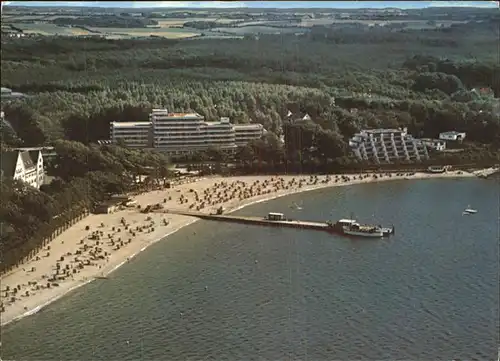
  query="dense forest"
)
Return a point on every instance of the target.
[
  {"x": 346, "y": 79},
  {"x": 80, "y": 85}
]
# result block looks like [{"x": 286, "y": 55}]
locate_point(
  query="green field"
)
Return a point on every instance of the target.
[
  {"x": 170, "y": 33},
  {"x": 50, "y": 29},
  {"x": 172, "y": 28},
  {"x": 409, "y": 23},
  {"x": 330, "y": 21},
  {"x": 210, "y": 35},
  {"x": 250, "y": 30},
  {"x": 167, "y": 23},
  {"x": 31, "y": 18},
  {"x": 21, "y": 18},
  {"x": 113, "y": 33},
  {"x": 167, "y": 28}
]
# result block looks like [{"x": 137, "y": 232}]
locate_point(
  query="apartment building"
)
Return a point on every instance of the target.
[
  {"x": 180, "y": 133},
  {"x": 177, "y": 132},
  {"x": 220, "y": 134},
  {"x": 245, "y": 133},
  {"x": 26, "y": 166},
  {"x": 132, "y": 134},
  {"x": 388, "y": 146}
]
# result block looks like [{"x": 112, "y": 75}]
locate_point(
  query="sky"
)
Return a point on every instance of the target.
[{"x": 259, "y": 4}]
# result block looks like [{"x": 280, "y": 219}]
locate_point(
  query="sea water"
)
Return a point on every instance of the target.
[{"x": 237, "y": 292}]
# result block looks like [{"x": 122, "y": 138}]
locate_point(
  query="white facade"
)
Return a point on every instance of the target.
[
  {"x": 40, "y": 170},
  {"x": 247, "y": 132},
  {"x": 27, "y": 169},
  {"x": 178, "y": 133},
  {"x": 219, "y": 134},
  {"x": 19, "y": 171},
  {"x": 387, "y": 146},
  {"x": 133, "y": 134},
  {"x": 436, "y": 144},
  {"x": 453, "y": 135}
]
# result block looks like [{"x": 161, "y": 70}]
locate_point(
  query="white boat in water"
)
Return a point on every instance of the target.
[{"x": 469, "y": 210}]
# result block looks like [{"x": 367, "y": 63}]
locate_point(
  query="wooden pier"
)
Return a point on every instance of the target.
[{"x": 258, "y": 221}]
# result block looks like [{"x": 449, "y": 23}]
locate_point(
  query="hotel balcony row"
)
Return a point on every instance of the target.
[
  {"x": 179, "y": 132},
  {"x": 388, "y": 146}
]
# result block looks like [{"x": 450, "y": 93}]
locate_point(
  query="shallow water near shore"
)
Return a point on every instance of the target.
[{"x": 232, "y": 292}]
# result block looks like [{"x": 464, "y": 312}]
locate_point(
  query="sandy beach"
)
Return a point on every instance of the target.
[{"x": 99, "y": 244}]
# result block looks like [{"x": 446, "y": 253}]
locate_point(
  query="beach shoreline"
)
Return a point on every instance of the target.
[{"x": 153, "y": 227}]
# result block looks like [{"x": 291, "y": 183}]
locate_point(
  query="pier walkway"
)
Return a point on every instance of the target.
[{"x": 320, "y": 226}]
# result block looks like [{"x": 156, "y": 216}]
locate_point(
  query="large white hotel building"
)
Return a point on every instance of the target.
[
  {"x": 180, "y": 133},
  {"x": 388, "y": 146}
]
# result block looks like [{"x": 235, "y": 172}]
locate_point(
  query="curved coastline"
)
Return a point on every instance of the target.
[{"x": 183, "y": 221}]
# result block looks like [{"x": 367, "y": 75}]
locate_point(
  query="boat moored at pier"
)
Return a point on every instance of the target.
[
  {"x": 339, "y": 226},
  {"x": 344, "y": 226},
  {"x": 360, "y": 230},
  {"x": 351, "y": 227}
]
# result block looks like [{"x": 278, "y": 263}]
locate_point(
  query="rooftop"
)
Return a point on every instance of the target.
[
  {"x": 208, "y": 124},
  {"x": 27, "y": 160},
  {"x": 130, "y": 124},
  {"x": 248, "y": 126},
  {"x": 33, "y": 148},
  {"x": 165, "y": 112},
  {"x": 379, "y": 131},
  {"x": 34, "y": 153}
]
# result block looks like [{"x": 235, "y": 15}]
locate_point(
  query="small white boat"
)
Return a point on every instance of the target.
[
  {"x": 469, "y": 210},
  {"x": 295, "y": 206}
]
